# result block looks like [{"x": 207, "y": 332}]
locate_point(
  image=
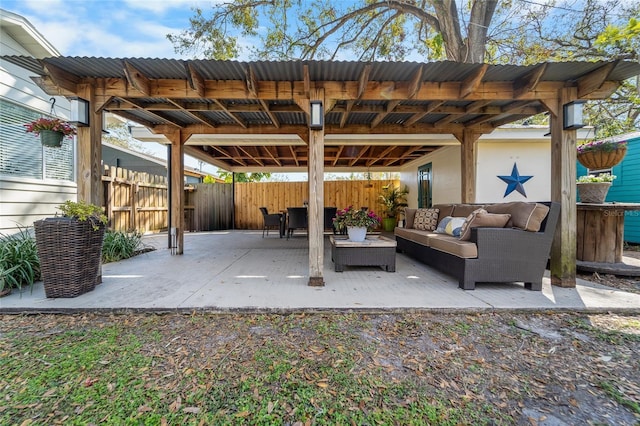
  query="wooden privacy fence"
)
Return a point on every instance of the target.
[
  {"x": 135, "y": 200},
  {"x": 277, "y": 196},
  {"x": 138, "y": 201}
]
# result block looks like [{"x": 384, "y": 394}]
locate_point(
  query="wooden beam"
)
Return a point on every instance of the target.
[
  {"x": 176, "y": 182},
  {"x": 137, "y": 79},
  {"x": 61, "y": 78},
  {"x": 389, "y": 107},
  {"x": 271, "y": 115},
  {"x": 230, "y": 114},
  {"x": 363, "y": 80},
  {"x": 592, "y": 81},
  {"x": 196, "y": 81},
  {"x": 306, "y": 78},
  {"x": 380, "y": 156},
  {"x": 415, "y": 82},
  {"x": 470, "y": 84},
  {"x": 316, "y": 199},
  {"x": 417, "y": 116},
  {"x": 468, "y": 166},
  {"x": 528, "y": 83},
  {"x": 251, "y": 82},
  {"x": 346, "y": 112}
]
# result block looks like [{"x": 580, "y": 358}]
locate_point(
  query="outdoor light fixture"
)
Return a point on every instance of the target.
[
  {"x": 79, "y": 111},
  {"x": 573, "y": 115},
  {"x": 317, "y": 116}
]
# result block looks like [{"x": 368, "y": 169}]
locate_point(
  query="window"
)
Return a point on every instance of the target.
[
  {"x": 424, "y": 186},
  {"x": 22, "y": 155}
]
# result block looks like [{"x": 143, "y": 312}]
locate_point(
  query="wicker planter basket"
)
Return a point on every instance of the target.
[
  {"x": 597, "y": 160},
  {"x": 69, "y": 252},
  {"x": 593, "y": 192}
]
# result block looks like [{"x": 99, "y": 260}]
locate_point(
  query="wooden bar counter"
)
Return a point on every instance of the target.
[{"x": 600, "y": 231}]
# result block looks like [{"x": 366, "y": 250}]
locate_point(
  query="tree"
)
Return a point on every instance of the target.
[
  {"x": 374, "y": 29},
  {"x": 242, "y": 177}
]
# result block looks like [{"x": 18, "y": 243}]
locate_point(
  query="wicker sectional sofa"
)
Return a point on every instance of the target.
[{"x": 517, "y": 252}]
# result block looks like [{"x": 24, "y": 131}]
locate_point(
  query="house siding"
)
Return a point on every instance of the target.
[
  {"x": 24, "y": 200},
  {"x": 626, "y": 186}
]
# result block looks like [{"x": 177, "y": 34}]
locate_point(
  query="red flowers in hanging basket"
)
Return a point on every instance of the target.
[{"x": 52, "y": 124}]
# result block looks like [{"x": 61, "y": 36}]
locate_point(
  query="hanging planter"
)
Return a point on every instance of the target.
[
  {"x": 602, "y": 154},
  {"x": 51, "y": 131},
  {"x": 51, "y": 138}
]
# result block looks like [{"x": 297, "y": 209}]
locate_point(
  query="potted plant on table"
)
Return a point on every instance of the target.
[
  {"x": 594, "y": 188},
  {"x": 602, "y": 154},
  {"x": 70, "y": 248},
  {"x": 393, "y": 199},
  {"x": 51, "y": 130},
  {"x": 356, "y": 221}
]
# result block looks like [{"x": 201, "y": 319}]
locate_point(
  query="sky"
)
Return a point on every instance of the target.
[{"x": 108, "y": 28}]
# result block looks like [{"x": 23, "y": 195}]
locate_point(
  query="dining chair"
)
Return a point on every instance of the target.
[
  {"x": 297, "y": 219},
  {"x": 329, "y": 214},
  {"x": 270, "y": 220}
]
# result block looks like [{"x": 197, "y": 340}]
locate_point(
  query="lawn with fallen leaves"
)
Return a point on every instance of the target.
[{"x": 320, "y": 369}]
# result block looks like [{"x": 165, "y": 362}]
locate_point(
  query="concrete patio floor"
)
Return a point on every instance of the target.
[{"x": 241, "y": 271}]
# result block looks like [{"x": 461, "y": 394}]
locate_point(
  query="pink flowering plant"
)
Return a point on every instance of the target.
[
  {"x": 53, "y": 124},
  {"x": 601, "y": 146},
  {"x": 355, "y": 217}
]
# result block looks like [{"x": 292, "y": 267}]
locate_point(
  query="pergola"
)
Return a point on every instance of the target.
[{"x": 255, "y": 115}]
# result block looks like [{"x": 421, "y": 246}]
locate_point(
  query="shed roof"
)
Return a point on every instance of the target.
[{"x": 229, "y": 103}]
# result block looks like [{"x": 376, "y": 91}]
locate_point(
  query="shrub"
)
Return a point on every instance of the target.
[
  {"x": 120, "y": 245},
  {"x": 19, "y": 262}
]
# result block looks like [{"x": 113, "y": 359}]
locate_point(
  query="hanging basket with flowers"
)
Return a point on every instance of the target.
[
  {"x": 51, "y": 130},
  {"x": 602, "y": 154}
]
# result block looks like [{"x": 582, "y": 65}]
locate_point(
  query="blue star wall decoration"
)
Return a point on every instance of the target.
[{"x": 515, "y": 182}]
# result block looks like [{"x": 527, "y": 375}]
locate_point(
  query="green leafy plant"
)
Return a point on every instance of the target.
[
  {"x": 605, "y": 145},
  {"x": 603, "y": 177},
  {"x": 120, "y": 245},
  {"x": 355, "y": 217},
  {"x": 19, "y": 262},
  {"x": 393, "y": 198},
  {"x": 83, "y": 211}
]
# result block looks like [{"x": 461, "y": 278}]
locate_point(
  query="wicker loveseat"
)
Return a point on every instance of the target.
[{"x": 515, "y": 251}]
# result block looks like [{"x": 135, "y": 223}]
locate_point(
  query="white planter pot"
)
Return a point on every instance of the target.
[
  {"x": 356, "y": 234},
  {"x": 593, "y": 192}
]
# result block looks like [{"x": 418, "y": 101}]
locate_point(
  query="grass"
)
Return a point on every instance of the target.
[
  {"x": 317, "y": 369},
  {"x": 19, "y": 263},
  {"x": 120, "y": 245}
]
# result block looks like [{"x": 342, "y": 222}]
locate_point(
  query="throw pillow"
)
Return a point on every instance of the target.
[
  {"x": 527, "y": 216},
  {"x": 483, "y": 219},
  {"x": 450, "y": 225},
  {"x": 426, "y": 219}
]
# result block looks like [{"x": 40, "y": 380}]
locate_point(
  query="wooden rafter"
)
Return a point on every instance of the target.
[
  {"x": 594, "y": 80},
  {"x": 529, "y": 81},
  {"x": 415, "y": 83},
  {"x": 471, "y": 83},
  {"x": 391, "y": 105},
  {"x": 231, "y": 114},
  {"x": 137, "y": 79}
]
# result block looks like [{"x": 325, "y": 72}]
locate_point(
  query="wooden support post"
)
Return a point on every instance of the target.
[
  {"x": 563, "y": 190},
  {"x": 316, "y": 199},
  {"x": 89, "y": 160},
  {"x": 468, "y": 155},
  {"x": 176, "y": 203}
]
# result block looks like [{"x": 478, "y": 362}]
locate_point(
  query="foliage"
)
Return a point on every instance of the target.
[
  {"x": 355, "y": 217},
  {"x": 242, "y": 177},
  {"x": 83, "y": 211},
  {"x": 606, "y": 145},
  {"x": 393, "y": 199},
  {"x": 19, "y": 262},
  {"x": 209, "y": 179},
  {"x": 364, "y": 30},
  {"x": 119, "y": 245},
  {"x": 53, "y": 124},
  {"x": 603, "y": 177}
]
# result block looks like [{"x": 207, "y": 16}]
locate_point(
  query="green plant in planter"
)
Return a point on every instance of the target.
[
  {"x": 19, "y": 262},
  {"x": 84, "y": 211},
  {"x": 393, "y": 198}
]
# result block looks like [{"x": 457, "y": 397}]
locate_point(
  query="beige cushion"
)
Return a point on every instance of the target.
[
  {"x": 415, "y": 235},
  {"x": 480, "y": 218},
  {"x": 464, "y": 210},
  {"x": 409, "y": 215},
  {"x": 527, "y": 216},
  {"x": 445, "y": 210},
  {"x": 453, "y": 245},
  {"x": 426, "y": 219}
]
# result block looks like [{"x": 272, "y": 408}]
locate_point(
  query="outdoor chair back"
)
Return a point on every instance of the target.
[
  {"x": 297, "y": 219},
  {"x": 272, "y": 220}
]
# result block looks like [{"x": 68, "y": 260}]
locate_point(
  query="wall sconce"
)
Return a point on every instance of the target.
[
  {"x": 317, "y": 116},
  {"x": 572, "y": 113},
  {"x": 79, "y": 111}
]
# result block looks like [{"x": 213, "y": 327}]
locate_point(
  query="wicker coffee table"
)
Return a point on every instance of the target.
[{"x": 373, "y": 251}]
